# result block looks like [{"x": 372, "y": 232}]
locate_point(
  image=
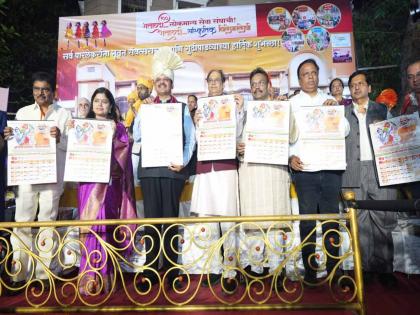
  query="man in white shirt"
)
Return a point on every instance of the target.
[
  {"x": 317, "y": 189},
  {"x": 46, "y": 197},
  {"x": 375, "y": 227}
]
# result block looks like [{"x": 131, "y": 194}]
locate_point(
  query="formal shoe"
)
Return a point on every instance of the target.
[
  {"x": 250, "y": 276},
  {"x": 310, "y": 277},
  {"x": 310, "y": 280},
  {"x": 147, "y": 280},
  {"x": 251, "y": 273},
  {"x": 278, "y": 284},
  {"x": 87, "y": 289},
  {"x": 229, "y": 285},
  {"x": 210, "y": 280},
  {"x": 368, "y": 277},
  {"x": 343, "y": 281},
  {"x": 43, "y": 284},
  {"x": 266, "y": 271},
  {"x": 175, "y": 282},
  {"x": 17, "y": 284},
  {"x": 16, "y": 288},
  {"x": 388, "y": 280}
]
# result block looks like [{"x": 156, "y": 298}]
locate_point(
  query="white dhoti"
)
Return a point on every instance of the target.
[
  {"x": 261, "y": 250},
  {"x": 214, "y": 194},
  {"x": 29, "y": 196}
]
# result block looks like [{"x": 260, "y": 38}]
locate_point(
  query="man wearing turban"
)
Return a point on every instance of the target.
[{"x": 135, "y": 99}]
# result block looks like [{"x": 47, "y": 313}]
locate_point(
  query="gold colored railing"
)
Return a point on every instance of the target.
[{"x": 283, "y": 287}]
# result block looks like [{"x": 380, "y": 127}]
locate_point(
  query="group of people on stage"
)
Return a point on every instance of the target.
[
  {"x": 96, "y": 201},
  {"x": 221, "y": 187}
]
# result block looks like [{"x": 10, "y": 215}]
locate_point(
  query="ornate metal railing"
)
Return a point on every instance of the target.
[{"x": 128, "y": 285}]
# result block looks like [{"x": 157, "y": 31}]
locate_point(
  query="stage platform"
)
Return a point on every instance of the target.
[{"x": 401, "y": 299}]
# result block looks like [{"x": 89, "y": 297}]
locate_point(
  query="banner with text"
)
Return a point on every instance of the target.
[{"x": 115, "y": 50}]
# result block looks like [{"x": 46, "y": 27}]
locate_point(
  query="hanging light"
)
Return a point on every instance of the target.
[{"x": 415, "y": 10}]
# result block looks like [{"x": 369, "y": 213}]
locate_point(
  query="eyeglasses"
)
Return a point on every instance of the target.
[
  {"x": 41, "y": 89},
  {"x": 210, "y": 81},
  {"x": 258, "y": 84},
  {"x": 411, "y": 77},
  {"x": 358, "y": 84}
]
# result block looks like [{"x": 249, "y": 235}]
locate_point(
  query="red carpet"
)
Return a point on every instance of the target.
[{"x": 404, "y": 299}]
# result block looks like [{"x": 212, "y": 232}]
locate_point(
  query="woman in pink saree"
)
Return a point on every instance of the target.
[{"x": 101, "y": 201}]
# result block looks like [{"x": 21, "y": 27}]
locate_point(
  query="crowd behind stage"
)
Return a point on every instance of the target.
[{"x": 229, "y": 187}]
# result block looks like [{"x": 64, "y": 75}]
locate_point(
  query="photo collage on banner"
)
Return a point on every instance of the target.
[{"x": 117, "y": 49}]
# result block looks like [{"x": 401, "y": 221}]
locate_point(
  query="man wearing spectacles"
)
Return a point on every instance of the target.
[
  {"x": 215, "y": 193},
  {"x": 411, "y": 105},
  {"x": 412, "y": 99},
  {"x": 375, "y": 227},
  {"x": 44, "y": 197}
]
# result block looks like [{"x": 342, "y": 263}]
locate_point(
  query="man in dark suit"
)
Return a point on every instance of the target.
[{"x": 375, "y": 227}]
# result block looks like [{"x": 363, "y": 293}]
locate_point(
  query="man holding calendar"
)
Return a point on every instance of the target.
[{"x": 162, "y": 186}]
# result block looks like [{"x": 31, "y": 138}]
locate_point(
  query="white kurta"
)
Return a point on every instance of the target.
[
  {"x": 215, "y": 193},
  {"x": 42, "y": 197},
  {"x": 264, "y": 189}
]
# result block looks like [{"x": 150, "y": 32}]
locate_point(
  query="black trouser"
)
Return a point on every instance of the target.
[
  {"x": 318, "y": 191},
  {"x": 161, "y": 200}
]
